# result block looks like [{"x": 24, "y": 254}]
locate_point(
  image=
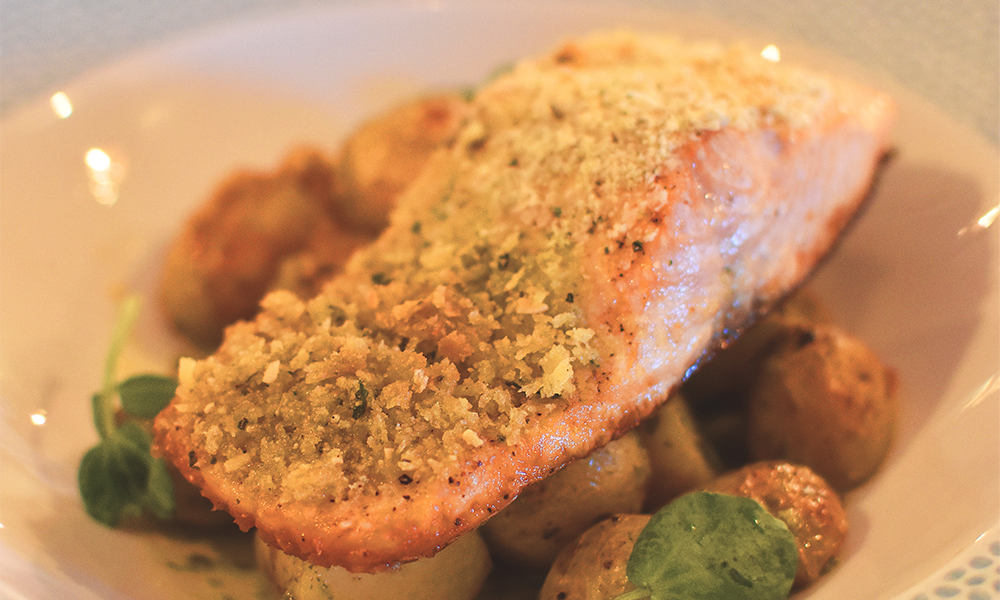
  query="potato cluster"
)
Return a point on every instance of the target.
[
  {"x": 296, "y": 227},
  {"x": 793, "y": 415},
  {"x": 797, "y": 387}
]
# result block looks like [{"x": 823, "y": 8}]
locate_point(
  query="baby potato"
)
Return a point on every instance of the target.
[
  {"x": 533, "y": 529},
  {"x": 456, "y": 573},
  {"x": 679, "y": 458},
  {"x": 803, "y": 500},
  {"x": 229, "y": 252},
  {"x": 592, "y": 567},
  {"x": 382, "y": 157},
  {"x": 803, "y": 306},
  {"x": 825, "y": 400},
  {"x": 729, "y": 374},
  {"x": 294, "y": 228}
]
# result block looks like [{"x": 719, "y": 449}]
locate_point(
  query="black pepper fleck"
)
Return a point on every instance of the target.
[{"x": 360, "y": 401}]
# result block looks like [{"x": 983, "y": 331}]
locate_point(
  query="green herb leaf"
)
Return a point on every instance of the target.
[
  {"x": 146, "y": 395},
  {"x": 97, "y": 487},
  {"x": 131, "y": 432},
  {"x": 704, "y": 546},
  {"x": 118, "y": 477},
  {"x": 160, "y": 497},
  {"x": 113, "y": 477}
]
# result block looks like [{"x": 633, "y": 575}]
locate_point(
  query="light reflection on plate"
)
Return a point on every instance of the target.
[{"x": 917, "y": 278}]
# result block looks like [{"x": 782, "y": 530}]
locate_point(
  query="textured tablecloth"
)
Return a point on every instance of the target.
[{"x": 945, "y": 50}]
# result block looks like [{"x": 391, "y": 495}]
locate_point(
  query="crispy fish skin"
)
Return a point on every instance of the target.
[{"x": 609, "y": 214}]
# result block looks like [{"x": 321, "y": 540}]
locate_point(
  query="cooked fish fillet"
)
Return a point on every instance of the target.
[{"x": 609, "y": 214}]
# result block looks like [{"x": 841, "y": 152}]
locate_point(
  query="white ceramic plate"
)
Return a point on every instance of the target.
[{"x": 917, "y": 279}]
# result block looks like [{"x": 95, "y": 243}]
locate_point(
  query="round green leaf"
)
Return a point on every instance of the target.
[
  {"x": 96, "y": 487},
  {"x": 146, "y": 395},
  {"x": 160, "y": 490},
  {"x": 706, "y": 546},
  {"x": 131, "y": 432},
  {"x": 112, "y": 480}
]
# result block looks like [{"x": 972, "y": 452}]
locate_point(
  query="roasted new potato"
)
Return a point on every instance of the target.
[
  {"x": 592, "y": 567},
  {"x": 295, "y": 227},
  {"x": 549, "y": 514},
  {"x": 456, "y": 573},
  {"x": 803, "y": 500},
  {"x": 729, "y": 375},
  {"x": 679, "y": 456},
  {"x": 229, "y": 252},
  {"x": 384, "y": 155},
  {"x": 823, "y": 399}
]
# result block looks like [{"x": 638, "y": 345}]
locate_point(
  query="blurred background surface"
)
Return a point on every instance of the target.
[{"x": 945, "y": 50}]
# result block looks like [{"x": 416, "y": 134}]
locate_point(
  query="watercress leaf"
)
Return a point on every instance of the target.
[
  {"x": 131, "y": 432},
  {"x": 119, "y": 477},
  {"x": 160, "y": 490},
  {"x": 103, "y": 413},
  {"x": 704, "y": 546},
  {"x": 146, "y": 395},
  {"x": 112, "y": 480},
  {"x": 97, "y": 488},
  {"x": 129, "y": 467}
]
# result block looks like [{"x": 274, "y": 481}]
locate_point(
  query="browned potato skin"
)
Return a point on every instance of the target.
[
  {"x": 731, "y": 372},
  {"x": 679, "y": 457},
  {"x": 593, "y": 566},
  {"x": 229, "y": 252},
  {"x": 823, "y": 399},
  {"x": 803, "y": 500},
  {"x": 385, "y": 154},
  {"x": 458, "y": 572},
  {"x": 294, "y": 228},
  {"x": 549, "y": 514}
]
